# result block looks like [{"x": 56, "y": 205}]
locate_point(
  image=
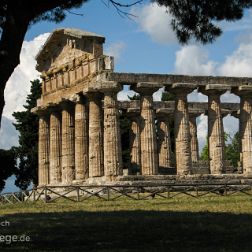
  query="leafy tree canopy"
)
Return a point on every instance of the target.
[
  {"x": 232, "y": 151},
  {"x": 198, "y": 18}
]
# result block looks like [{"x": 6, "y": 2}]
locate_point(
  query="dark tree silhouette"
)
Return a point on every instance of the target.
[{"x": 27, "y": 151}]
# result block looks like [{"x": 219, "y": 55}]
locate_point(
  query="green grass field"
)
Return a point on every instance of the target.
[{"x": 210, "y": 223}]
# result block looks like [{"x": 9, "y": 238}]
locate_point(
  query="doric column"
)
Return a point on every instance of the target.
[
  {"x": 55, "y": 148},
  {"x": 43, "y": 151},
  {"x": 194, "y": 138},
  {"x": 96, "y": 165},
  {"x": 149, "y": 156},
  {"x": 112, "y": 137},
  {"x": 216, "y": 143},
  {"x": 68, "y": 171},
  {"x": 164, "y": 141},
  {"x": 135, "y": 142},
  {"x": 245, "y": 93},
  {"x": 181, "y": 127},
  {"x": 81, "y": 139}
]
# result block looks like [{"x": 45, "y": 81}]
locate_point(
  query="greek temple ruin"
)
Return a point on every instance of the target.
[{"x": 79, "y": 127}]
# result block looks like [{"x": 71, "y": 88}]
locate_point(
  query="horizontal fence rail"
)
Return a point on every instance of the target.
[{"x": 81, "y": 193}]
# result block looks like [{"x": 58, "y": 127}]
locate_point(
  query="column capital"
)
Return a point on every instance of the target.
[
  {"x": 236, "y": 114},
  {"x": 146, "y": 88},
  {"x": 94, "y": 95},
  {"x": 181, "y": 89},
  {"x": 215, "y": 89},
  {"x": 243, "y": 90},
  {"x": 103, "y": 86},
  {"x": 78, "y": 98}
]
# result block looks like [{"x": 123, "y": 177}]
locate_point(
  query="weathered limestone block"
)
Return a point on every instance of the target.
[
  {"x": 55, "y": 149},
  {"x": 216, "y": 143},
  {"x": 164, "y": 142},
  {"x": 96, "y": 164},
  {"x": 43, "y": 151},
  {"x": 68, "y": 169},
  {"x": 135, "y": 142},
  {"x": 112, "y": 137},
  {"x": 181, "y": 127},
  {"x": 194, "y": 139},
  {"x": 81, "y": 140}
]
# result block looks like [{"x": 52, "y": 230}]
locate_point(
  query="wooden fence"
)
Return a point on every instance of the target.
[{"x": 135, "y": 192}]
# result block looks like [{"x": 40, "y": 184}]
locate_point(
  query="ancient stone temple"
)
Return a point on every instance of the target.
[{"x": 79, "y": 128}]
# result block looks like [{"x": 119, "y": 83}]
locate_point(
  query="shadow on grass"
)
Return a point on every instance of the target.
[{"x": 130, "y": 231}]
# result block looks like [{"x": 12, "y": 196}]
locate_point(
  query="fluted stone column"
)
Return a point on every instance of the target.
[
  {"x": 112, "y": 137},
  {"x": 181, "y": 127},
  {"x": 43, "y": 150},
  {"x": 194, "y": 138},
  {"x": 96, "y": 164},
  {"x": 68, "y": 171},
  {"x": 55, "y": 148},
  {"x": 164, "y": 141},
  {"x": 149, "y": 156},
  {"x": 245, "y": 93},
  {"x": 216, "y": 143},
  {"x": 81, "y": 139},
  {"x": 135, "y": 142}
]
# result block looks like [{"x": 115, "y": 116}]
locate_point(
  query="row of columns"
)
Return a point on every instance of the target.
[
  {"x": 78, "y": 144},
  {"x": 75, "y": 144}
]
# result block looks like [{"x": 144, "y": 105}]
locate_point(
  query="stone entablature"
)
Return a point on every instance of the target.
[{"x": 79, "y": 130}]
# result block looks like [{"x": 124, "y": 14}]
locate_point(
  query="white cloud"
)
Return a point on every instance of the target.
[
  {"x": 8, "y": 134},
  {"x": 155, "y": 21},
  {"x": 202, "y": 130},
  {"x": 239, "y": 62},
  {"x": 194, "y": 60},
  {"x": 115, "y": 49},
  {"x": 18, "y": 86}
]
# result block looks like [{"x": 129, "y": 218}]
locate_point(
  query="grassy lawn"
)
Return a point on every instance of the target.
[{"x": 210, "y": 223}]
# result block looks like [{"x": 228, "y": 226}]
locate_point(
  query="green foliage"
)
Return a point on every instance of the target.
[
  {"x": 197, "y": 19},
  {"x": 8, "y": 165},
  {"x": 204, "y": 153},
  {"x": 232, "y": 151},
  {"x": 134, "y": 97},
  {"x": 27, "y": 151},
  {"x": 167, "y": 96}
]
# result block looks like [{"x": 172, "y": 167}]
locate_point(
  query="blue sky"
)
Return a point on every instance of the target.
[{"x": 145, "y": 43}]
